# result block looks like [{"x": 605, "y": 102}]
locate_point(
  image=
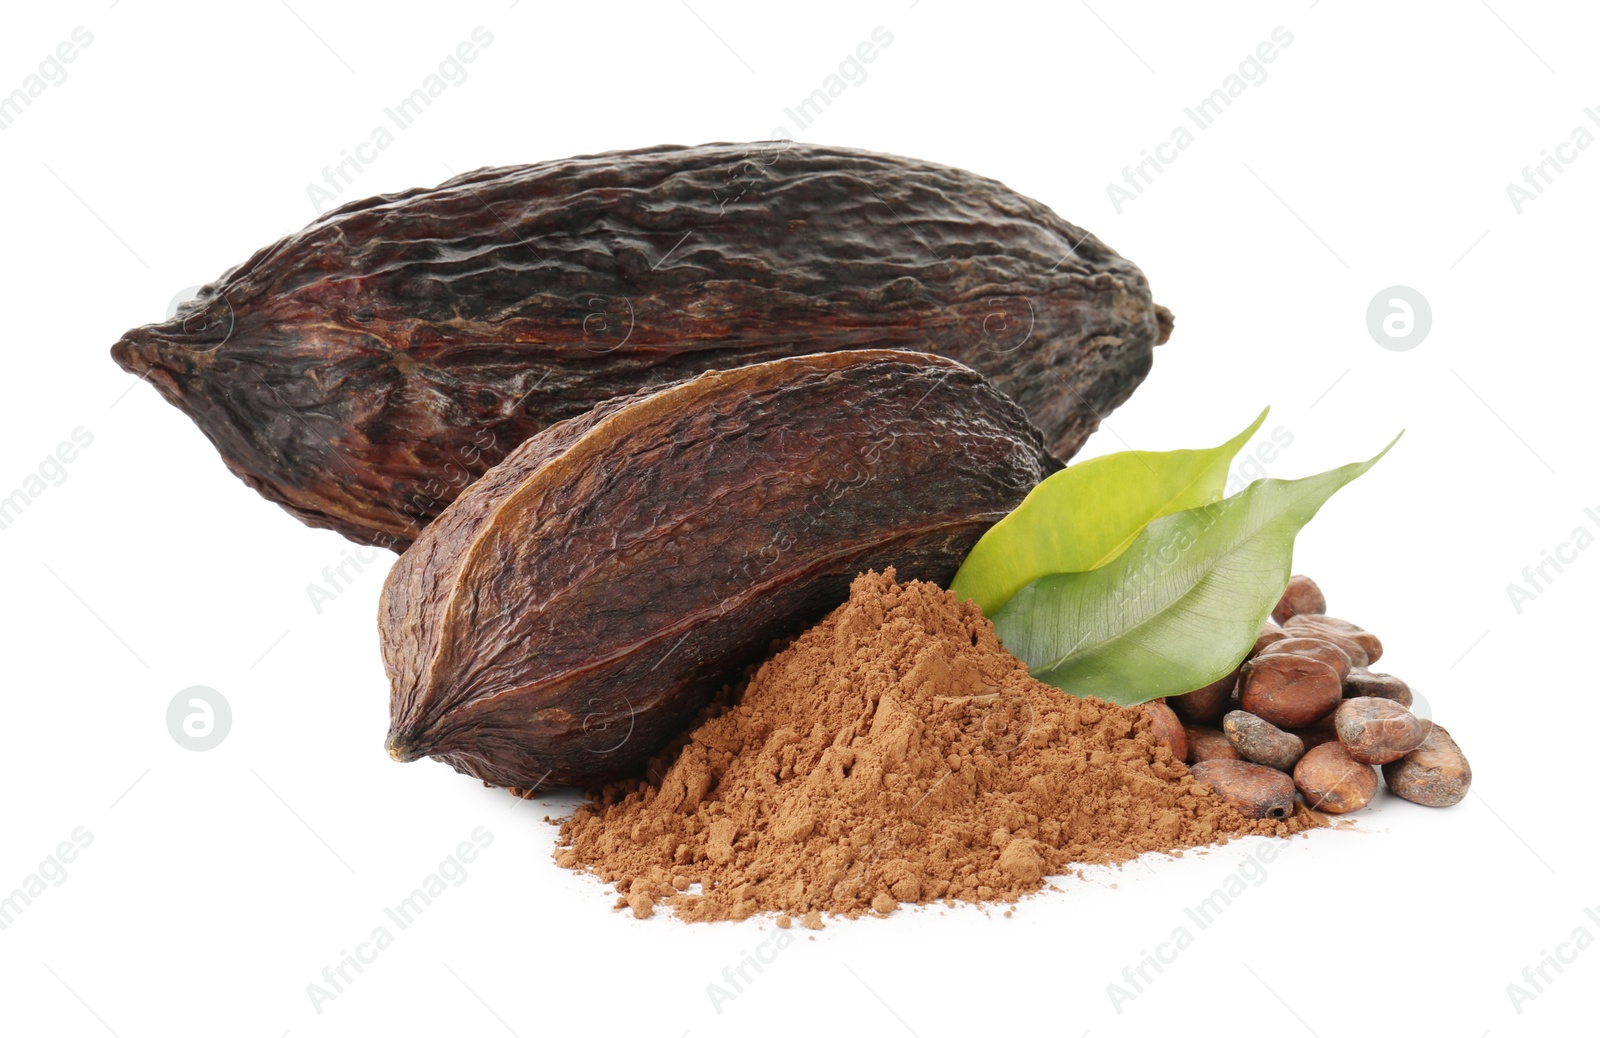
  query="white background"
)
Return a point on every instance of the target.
[{"x": 1376, "y": 152}]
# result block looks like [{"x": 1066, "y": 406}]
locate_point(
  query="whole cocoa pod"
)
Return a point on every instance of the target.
[
  {"x": 1288, "y": 690},
  {"x": 363, "y": 371},
  {"x": 566, "y": 616},
  {"x": 1435, "y": 774},
  {"x": 1333, "y": 781},
  {"x": 1250, "y": 789}
]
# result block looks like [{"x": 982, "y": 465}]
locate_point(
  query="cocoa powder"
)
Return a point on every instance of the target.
[{"x": 894, "y": 753}]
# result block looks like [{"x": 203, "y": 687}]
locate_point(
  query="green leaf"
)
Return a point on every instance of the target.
[
  {"x": 1181, "y": 607},
  {"x": 1087, "y": 514}
]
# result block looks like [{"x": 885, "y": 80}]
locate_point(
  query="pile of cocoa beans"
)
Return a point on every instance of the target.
[{"x": 1304, "y": 713}]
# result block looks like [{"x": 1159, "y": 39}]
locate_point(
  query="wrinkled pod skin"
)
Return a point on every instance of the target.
[
  {"x": 573, "y": 609},
  {"x": 364, "y": 370}
]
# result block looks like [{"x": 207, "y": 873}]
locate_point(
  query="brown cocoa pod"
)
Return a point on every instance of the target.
[
  {"x": 1289, "y": 691},
  {"x": 1167, "y": 728},
  {"x": 1317, "y": 649},
  {"x": 1208, "y": 744},
  {"x": 1363, "y": 682},
  {"x": 1206, "y": 705},
  {"x": 1261, "y": 741},
  {"x": 1333, "y": 781},
  {"x": 568, "y": 614},
  {"x": 363, "y": 371},
  {"x": 1301, "y": 597},
  {"x": 1377, "y": 731},
  {"x": 1252, "y": 790},
  {"x": 1270, "y": 634},
  {"x": 1435, "y": 774},
  {"x": 1363, "y": 646}
]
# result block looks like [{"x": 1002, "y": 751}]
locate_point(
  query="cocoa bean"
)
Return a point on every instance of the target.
[
  {"x": 1317, "y": 649},
  {"x": 1288, "y": 690},
  {"x": 362, "y": 372},
  {"x": 1301, "y": 597},
  {"x": 1270, "y": 633},
  {"x": 1363, "y": 682},
  {"x": 1435, "y": 774},
  {"x": 1250, "y": 789},
  {"x": 1363, "y": 646},
  {"x": 1316, "y": 734},
  {"x": 1168, "y": 729},
  {"x": 1206, "y": 705},
  {"x": 1208, "y": 744},
  {"x": 1377, "y": 731},
  {"x": 1261, "y": 741},
  {"x": 569, "y": 613},
  {"x": 1333, "y": 781}
]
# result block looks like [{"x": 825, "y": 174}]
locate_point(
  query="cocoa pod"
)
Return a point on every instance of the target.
[
  {"x": 1208, "y": 744},
  {"x": 1333, "y": 781},
  {"x": 1206, "y": 705},
  {"x": 1317, "y": 649},
  {"x": 1262, "y": 742},
  {"x": 1250, "y": 789},
  {"x": 1362, "y": 646},
  {"x": 364, "y": 370},
  {"x": 1363, "y": 682},
  {"x": 568, "y": 614},
  {"x": 1168, "y": 729},
  {"x": 1435, "y": 774},
  {"x": 1288, "y": 690},
  {"x": 1377, "y": 731},
  {"x": 1302, "y": 596}
]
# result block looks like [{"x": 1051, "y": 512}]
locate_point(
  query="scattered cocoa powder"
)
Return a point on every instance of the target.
[{"x": 894, "y": 753}]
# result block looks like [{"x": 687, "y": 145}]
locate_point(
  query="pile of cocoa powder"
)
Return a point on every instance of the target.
[{"x": 894, "y": 753}]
